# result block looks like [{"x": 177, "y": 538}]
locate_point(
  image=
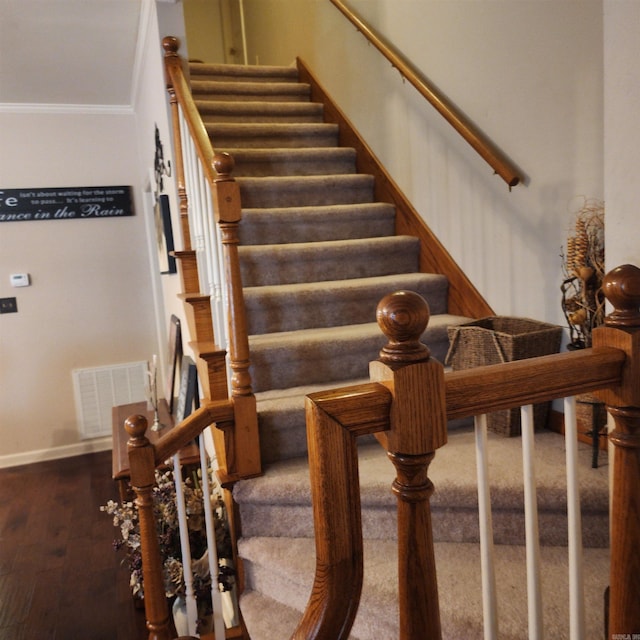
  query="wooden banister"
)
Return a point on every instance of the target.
[
  {"x": 513, "y": 384},
  {"x": 407, "y": 406},
  {"x": 144, "y": 458},
  {"x": 484, "y": 147},
  {"x": 237, "y": 446},
  {"x": 142, "y": 466},
  {"x": 335, "y": 491},
  {"x": 178, "y": 83}
]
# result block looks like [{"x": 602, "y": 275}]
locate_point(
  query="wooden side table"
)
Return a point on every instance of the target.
[{"x": 190, "y": 455}]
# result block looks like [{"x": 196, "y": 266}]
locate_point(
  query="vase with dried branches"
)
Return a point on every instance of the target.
[{"x": 583, "y": 302}]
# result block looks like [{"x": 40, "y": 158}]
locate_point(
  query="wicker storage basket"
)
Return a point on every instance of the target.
[{"x": 502, "y": 339}]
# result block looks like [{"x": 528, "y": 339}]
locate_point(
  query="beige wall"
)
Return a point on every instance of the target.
[
  {"x": 90, "y": 299},
  {"x": 622, "y": 131},
  {"x": 97, "y": 297},
  {"x": 529, "y": 73},
  {"x": 204, "y": 30}
]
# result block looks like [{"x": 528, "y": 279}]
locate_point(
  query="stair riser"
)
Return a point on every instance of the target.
[
  {"x": 343, "y": 192},
  {"x": 307, "y": 224},
  {"x": 449, "y": 525},
  {"x": 247, "y": 92},
  {"x": 222, "y": 117},
  {"x": 215, "y": 111},
  {"x": 201, "y": 75},
  {"x": 292, "y": 165},
  {"x": 324, "y": 137},
  {"x": 272, "y": 311},
  {"x": 291, "y": 266},
  {"x": 344, "y": 360},
  {"x": 242, "y": 73}
]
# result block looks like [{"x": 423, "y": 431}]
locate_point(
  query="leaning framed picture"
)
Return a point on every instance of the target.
[
  {"x": 173, "y": 361},
  {"x": 164, "y": 235},
  {"x": 188, "y": 398}
]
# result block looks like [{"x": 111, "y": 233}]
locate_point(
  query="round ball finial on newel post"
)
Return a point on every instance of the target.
[
  {"x": 622, "y": 289},
  {"x": 136, "y": 427},
  {"x": 170, "y": 44},
  {"x": 402, "y": 317},
  {"x": 223, "y": 163},
  {"x": 417, "y": 427}
]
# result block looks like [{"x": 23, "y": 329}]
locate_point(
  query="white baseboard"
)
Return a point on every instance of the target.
[{"x": 80, "y": 448}]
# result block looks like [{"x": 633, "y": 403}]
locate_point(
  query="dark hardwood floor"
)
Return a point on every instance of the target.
[{"x": 59, "y": 576}]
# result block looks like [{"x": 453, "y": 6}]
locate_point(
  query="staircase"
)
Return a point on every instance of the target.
[{"x": 318, "y": 252}]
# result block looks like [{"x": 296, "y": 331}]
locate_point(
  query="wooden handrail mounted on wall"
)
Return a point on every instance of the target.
[{"x": 484, "y": 147}]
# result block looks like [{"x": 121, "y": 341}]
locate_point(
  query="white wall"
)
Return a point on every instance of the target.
[
  {"x": 528, "y": 73},
  {"x": 151, "y": 106},
  {"x": 622, "y": 130}
]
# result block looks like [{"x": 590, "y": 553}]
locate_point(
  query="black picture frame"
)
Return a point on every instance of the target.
[
  {"x": 164, "y": 235},
  {"x": 188, "y": 398},
  {"x": 174, "y": 360}
]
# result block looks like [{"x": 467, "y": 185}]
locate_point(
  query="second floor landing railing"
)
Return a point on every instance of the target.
[
  {"x": 482, "y": 145},
  {"x": 407, "y": 405}
]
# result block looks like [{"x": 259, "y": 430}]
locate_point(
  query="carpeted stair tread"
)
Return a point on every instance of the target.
[
  {"x": 260, "y": 91},
  {"x": 334, "y": 303},
  {"x": 281, "y": 419},
  {"x": 292, "y": 161},
  {"x": 282, "y": 225},
  {"x": 289, "y": 578},
  {"x": 267, "y": 618},
  {"x": 258, "y": 111},
  {"x": 331, "y": 260},
  {"x": 309, "y": 356},
  {"x": 279, "y": 502},
  {"x": 243, "y": 72},
  {"x": 258, "y": 135}
]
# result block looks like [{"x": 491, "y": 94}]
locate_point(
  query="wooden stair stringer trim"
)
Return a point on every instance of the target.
[
  {"x": 463, "y": 298},
  {"x": 188, "y": 269},
  {"x": 199, "y": 317},
  {"x": 212, "y": 369}
]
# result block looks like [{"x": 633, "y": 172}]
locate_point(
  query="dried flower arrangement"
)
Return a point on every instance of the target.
[
  {"x": 583, "y": 302},
  {"x": 125, "y": 518}
]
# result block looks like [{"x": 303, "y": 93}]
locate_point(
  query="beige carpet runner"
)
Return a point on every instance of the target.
[{"x": 317, "y": 254}]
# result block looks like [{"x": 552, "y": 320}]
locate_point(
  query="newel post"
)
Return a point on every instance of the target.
[
  {"x": 418, "y": 428},
  {"x": 622, "y": 330},
  {"x": 142, "y": 466},
  {"x": 244, "y": 460}
]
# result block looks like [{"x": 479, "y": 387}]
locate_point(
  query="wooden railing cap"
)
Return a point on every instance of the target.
[
  {"x": 402, "y": 317},
  {"x": 621, "y": 287}
]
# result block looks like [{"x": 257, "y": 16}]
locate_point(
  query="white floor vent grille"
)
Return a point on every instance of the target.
[{"x": 98, "y": 389}]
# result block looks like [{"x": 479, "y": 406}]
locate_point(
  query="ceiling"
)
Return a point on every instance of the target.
[{"x": 68, "y": 52}]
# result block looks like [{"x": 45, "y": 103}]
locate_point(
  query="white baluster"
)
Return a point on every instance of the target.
[
  {"x": 192, "y": 608},
  {"x": 216, "y": 599},
  {"x": 574, "y": 517},
  {"x": 487, "y": 559},
  {"x": 534, "y": 590}
]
